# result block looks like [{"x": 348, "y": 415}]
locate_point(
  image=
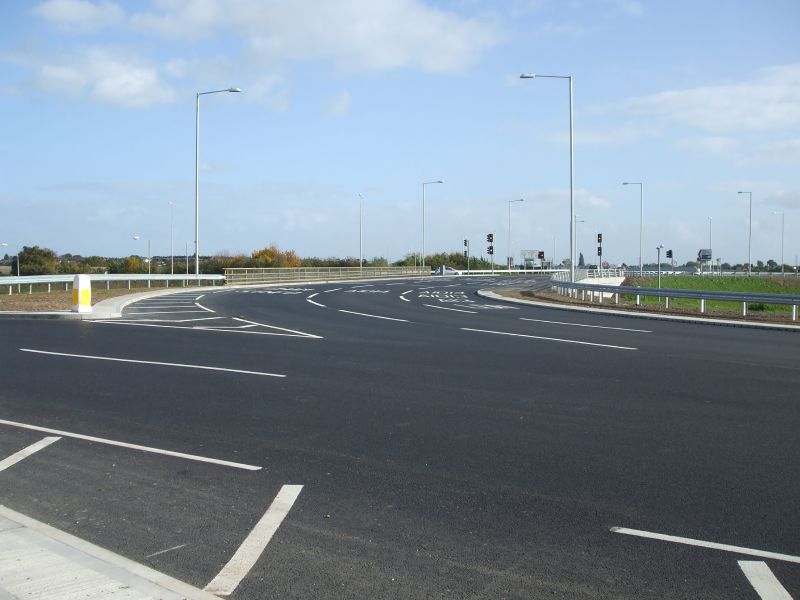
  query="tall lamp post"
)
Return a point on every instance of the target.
[
  {"x": 774, "y": 212},
  {"x": 171, "y": 238},
  {"x": 710, "y": 243},
  {"x": 510, "y": 259},
  {"x": 658, "y": 248},
  {"x": 197, "y": 176},
  {"x": 749, "y": 234},
  {"x": 423, "y": 215},
  {"x": 360, "y": 236},
  {"x": 571, "y": 170},
  {"x": 641, "y": 217}
]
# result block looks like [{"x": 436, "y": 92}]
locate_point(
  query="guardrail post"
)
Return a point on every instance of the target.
[
  {"x": 702, "y": 305},
  {"x": 48, "y": 288},
  {"x": 148, "y": 283},
  {"x": 638, "y": 300},
  {"x": 129, "y": 284},
  {"x": 666, "y": 299},
  {"x": 744, "y": 309},
  {"x": 616, "y": 298},
  {"x": 108, "y": 284},
  {"x": 9, "y": 290},
  {"x": 30, "y": 289},
  {"x": 794, "y": 312},
  {"x": 583, "y": 295}
]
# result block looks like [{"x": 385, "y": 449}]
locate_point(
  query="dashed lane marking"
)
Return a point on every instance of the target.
[
  {"x": 763, "y": 581},
  {"x": 472, "y": 312},
  {"x": 165, "y": 312},
  {"x": 714, "y": 545},
  {"x": 253, "y": 546},
  {"x": 151, "y": 362},
  {"x": 98, "y": 440},
  {"x": 549, "y": 339},
  {"x": 333, "y": 290},
  {"x": 26, "y": 452},
  {"x": 582, "y": 325},
  {"x": 350, "y": 312}
]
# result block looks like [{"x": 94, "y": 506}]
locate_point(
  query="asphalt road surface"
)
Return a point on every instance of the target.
[{"x": 447, "y": 446}]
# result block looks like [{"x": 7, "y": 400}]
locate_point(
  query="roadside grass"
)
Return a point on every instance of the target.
[{"x": 763, "y": 285}]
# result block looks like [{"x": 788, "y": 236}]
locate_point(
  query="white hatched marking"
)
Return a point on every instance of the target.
[
  {"x": 350, "y": 312},
  {"x": 26, "y": 452},
  {"x": 253, "y": 546},
  {"x": 472, "y": 312},
  {"x": 548, "y": 339},
  {"x": 763, "y": 581}
]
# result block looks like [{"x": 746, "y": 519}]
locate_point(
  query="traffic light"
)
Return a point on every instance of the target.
[
  {"x": 490, "y": 249},
  {"x": 540, "y": 255},
  {"x": 466, "y": 242},
  {"x": 669, "y": 253},
  {"x": 490, "y": 237},
  {"x": 599, "y": 238},
  {"x": 465, "y": 254},
  {"x": 599, "y": 251}
]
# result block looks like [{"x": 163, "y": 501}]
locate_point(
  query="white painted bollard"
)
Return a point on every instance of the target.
[{"x": 82, "y": 294}]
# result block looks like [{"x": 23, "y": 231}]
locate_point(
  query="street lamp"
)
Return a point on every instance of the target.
[
  {"x": 423, "y": 215},
  {"x": 571, "y": 170},
  {"x": 710, "y": 246},
  {"x": 774, "y": 212},
  {"x": 659, "y": 247},
  {"x": 641, "y": 217},
  {"x": 360, "y": 236},
  {"x": 510, "y": 259},
  {"x": 197, "y": 177},
  {"x": 171, "y": 238},
  {"x": 749, "y": 234}
]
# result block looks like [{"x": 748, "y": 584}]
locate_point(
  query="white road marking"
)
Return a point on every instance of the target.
[
  {"x": 472, "y": 312},
  {"x": 298, "y": 333},
  {"x": 89, "y": 438},
  {"x": 404, "y": 298},
  {"x": 200, "y": 296},
  {"x": 363, "y": 285},
  {"x": 581, "y": 325},
  {"x": 549, "y": 339},
  {"x": 333, "y": 290},
  {"x": 166, "y": 312},
  {"x": 763, "y": 581},
  {"x": 253, "y": 546},
  {"x": 350, "y": 312},
  {"x": 309, "y": 299},
  {"x": 26, "y": 452},
  {"x": 406, "y": 292},
  {"x": 204, "y": 308},
  {"x": 690, "y": 542},
  {"x": 199, "y": 328},
  {"x": 164, "y": 305},
  {"x": 151, "y": 362},
  {"x": 138, "y": 321},
  {"x": 165, "y": 551}
]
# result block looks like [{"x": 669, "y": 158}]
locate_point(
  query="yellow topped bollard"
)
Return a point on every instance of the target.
[{"x": 82, "y": 294}]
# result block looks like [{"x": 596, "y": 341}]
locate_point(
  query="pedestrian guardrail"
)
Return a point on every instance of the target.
[
  {"x": 27, "y": 283},
  {"x": 288, "y": 275},
  {"x": 599, "y": 291}
]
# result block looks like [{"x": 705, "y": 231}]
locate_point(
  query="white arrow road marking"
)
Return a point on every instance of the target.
[
  {"x": 248, "y": 553},
  {"x": 763, "y": 581},
  {"x": 26, "y": 452}
]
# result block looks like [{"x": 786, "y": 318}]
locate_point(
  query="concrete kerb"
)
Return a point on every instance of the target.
[
  {"x": 638, "y": 315},
  {"x": 112, "y": 308}
]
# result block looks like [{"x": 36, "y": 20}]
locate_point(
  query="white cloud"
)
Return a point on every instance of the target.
[
  {"x": 719, "y": 146},
  {"x": 769, "y": 102},
  {"x": 780, "y": 151},
  {"x": 784, "y": 199},
  {"x": 339, "y": 104},
  {"x": 108, "y": 78},
  {"x": 80, "y": 16},
  {"x": 624, "y": 134},
  {"x": 384, "y": 35}
]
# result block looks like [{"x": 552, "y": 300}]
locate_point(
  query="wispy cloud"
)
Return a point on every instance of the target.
[{"x": 80, "y": 16}]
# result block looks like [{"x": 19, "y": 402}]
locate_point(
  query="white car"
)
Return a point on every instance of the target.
[{"x": 445, "y": 270}]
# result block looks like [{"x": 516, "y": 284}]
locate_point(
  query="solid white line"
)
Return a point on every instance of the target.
[
  {"x": 350, "y": 312},
  {"x": 314, "y": 294},
  {"x": 362, "y": 286},
  {"x": 538, "y": 337},
  {"x": 333, "y": 290},
  {"x": 172, "y": 320},
  {"x": 164, "y": 305},
  {"x": 763, "y": 581},
  {"x": 166, "y": 312},
  {"x": 198, "y": 328},
  {"x": 309, "y": 299},
  {"x": 472, "y": 312},
  {"x": 26, "y": 452},
  {"x": 581, "y": 325},
  {"x": 299, "y": 333},
  {"x": 404, "y": 298},
  {"x": 165, "y": 551},
  {"x": 253, "y": 546},
  {"x": 702, "y": 544},
  {"x": 200, "y": 296},
  {"x": 204, "y": 308},
  {"x": 89, "y": 438},
  {"x": 151, "y": 362},
  {"x": 406, "y": 292}
]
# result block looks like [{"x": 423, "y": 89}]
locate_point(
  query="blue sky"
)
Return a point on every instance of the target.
[{"x": 697, "y": 100}]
